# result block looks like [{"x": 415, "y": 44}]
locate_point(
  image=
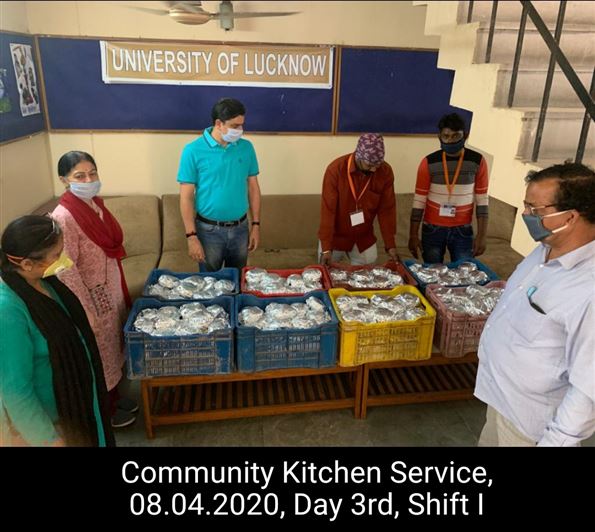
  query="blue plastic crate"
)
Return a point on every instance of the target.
[
  {"x": 229, "y": 274},
  {"x": 492, "y": 276},
  {"x": 197, "y": 354},
  {"x": 286, "y": 348}
]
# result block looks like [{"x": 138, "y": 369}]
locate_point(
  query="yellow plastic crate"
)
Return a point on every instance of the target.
[{"x": 378, "y": 342}]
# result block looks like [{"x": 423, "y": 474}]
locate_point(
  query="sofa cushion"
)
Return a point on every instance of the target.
[
  {"x": 174, "y": 255},
  {"x": 500, "y": 257},
  {"x": 137, "y": 270},
  {"x": 290, "y": 222},
  {"x": 140, "y": 220},
  {"x": 287, "y": 259},
  {"x": 173, "y": 227},
  {"x": 501, "y": 219},
  {"x": 177, "y": 261}
]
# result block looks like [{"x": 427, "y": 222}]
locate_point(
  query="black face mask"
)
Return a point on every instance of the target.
[{"x": 453, "y": 147}]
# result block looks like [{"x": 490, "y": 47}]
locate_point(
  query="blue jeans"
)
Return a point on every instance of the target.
[
  {"x": 221, "y": 245},
  {"x": 435, "y": 239}
]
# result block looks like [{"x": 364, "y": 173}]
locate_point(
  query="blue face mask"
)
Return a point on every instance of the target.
[
  {"x": 85, "y": 191},
  {"x": 536, "y": 228},
  {"x": 232, "y": 135},
  {"x": 454, "y": 147}
]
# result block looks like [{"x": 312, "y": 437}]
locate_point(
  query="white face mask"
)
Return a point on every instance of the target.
[
  {"x": 232, "y": 135},
  {"x": 85, "y": 191}
]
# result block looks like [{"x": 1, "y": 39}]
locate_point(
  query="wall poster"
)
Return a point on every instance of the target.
[{"x": 24, "y": 70}]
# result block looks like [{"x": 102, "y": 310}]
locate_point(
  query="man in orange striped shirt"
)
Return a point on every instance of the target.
[{"x": 449, "y": 182}]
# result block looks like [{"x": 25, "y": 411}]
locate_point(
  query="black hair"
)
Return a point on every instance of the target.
[
  {"x": 69, "y": 160},
  {"x": 226, "y": 109},
  {"x": 452, "y": 121},
  {"x": 29, "y": 236},
  {"x": 76, "y": 373},
  {"x": 576, "y": 187}
]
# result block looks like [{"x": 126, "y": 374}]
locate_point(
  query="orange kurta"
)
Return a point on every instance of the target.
[{"x": 336, "y": 231}]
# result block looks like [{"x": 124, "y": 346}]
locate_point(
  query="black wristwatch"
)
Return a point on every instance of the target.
[
  {"x": 255, "y": 223},
  {"x": 192, "y": 233}
]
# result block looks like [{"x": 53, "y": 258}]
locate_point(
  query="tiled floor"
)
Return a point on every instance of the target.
[{"x": 454, "y": 423}]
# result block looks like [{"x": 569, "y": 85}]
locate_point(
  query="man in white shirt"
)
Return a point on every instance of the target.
[{"x": 537, "y": 351}]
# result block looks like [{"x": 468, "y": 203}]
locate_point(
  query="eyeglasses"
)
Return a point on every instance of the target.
[
  {"x": 55, "y": 228},
  {"x": 532, "y": 209},
  {"x": 451, "y": 137},
  {"x": 55, "y": 231},
  {"x": 534, "y": 305}
]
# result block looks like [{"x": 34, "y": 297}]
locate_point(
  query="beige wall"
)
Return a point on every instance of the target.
[
  {"x": 323, "y": 22},
  {"x": 13, "y": 17},
  {"x": 25, "y": 179},
  {"x": 148, "y": 163},
  {"x": 144, "y": 162},
  {"x": 25, "y": 176}
]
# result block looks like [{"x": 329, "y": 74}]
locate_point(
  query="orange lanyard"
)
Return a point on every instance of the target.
[
  {"x": 450, "y": 186},
  {"x": 351, "y": 186}
]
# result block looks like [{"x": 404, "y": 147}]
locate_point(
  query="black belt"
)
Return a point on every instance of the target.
[{"x": 221, "y": 224}]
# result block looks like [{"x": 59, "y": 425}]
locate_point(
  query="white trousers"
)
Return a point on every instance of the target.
[
  {"x": 368, "y": 256},
  {"x": 499, "y": 432}
]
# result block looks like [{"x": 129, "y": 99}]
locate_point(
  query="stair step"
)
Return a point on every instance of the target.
[
  {"x": 531, "y": 83},
  {"x": 546, "y": 163},
  {"x": 560, "y": 134},
  {"x": 513, "y": 27},
  {"x": 577, "y": 45},
  {"x": 577, "y": 11}
]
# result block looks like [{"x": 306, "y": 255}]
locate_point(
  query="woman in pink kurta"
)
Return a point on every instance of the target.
[{"x": 93, "y": 240}]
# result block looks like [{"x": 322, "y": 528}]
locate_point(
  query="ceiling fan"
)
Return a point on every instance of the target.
[{"x": 193, "y": 13}]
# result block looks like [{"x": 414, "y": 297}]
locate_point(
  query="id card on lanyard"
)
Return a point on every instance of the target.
[
  {"x": 449, "y": 210},
  {"x": 357, "y": 216}
]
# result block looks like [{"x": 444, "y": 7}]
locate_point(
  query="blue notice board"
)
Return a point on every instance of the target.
[
  {"x": 77, "y": 98},
  {"x": 393, "y": 91},
  {"x": 13, "y": 124}
]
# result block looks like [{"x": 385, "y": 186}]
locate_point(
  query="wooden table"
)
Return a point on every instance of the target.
[
  {"x": 422, "y": 381},
  {"x": 188, "y": 399}
]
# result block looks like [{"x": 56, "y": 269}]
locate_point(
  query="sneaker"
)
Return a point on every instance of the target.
[
  {"x": 122, "y": 419},
  {"x": 124, "y": 403}
]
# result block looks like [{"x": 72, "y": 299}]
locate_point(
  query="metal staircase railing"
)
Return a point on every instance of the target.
[{"x": 556, "y": 56}]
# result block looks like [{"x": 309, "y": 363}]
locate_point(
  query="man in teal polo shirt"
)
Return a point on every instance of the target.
[{"x": 218, "y": 185}]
